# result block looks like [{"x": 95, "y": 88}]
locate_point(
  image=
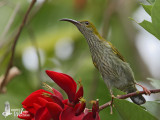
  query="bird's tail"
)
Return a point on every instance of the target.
[{"x": 138, "y": 99}]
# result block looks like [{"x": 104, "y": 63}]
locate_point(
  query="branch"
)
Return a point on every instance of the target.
[
  {"x": 127, "y": 96},
  {"x": 9, "y": 24},
  {"x": 13, "y": 72},
  {"x": 15, "y": 42}
]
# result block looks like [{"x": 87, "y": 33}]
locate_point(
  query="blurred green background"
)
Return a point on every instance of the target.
[{"x": 61, "y": 47}]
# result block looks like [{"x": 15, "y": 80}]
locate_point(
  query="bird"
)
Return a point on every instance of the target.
[{"x": 114, "y": 69}]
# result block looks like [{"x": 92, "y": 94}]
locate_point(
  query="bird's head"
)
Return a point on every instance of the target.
[{"x": 85, "y": 27}]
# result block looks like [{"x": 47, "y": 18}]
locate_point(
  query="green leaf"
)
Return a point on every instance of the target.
[
  {"x": 117, "y": 92},
  {"x": 153, "y": 10},
  {"x": 154, "y": 82},
  {"x": 151, "y": 1},
  {"x": 155, "y": 16},
  {"x": 150, "y": 28},
  {"x": 153, "y": 107},
  {"x": 147, "y": 8},
  {"x": 130, "y": 111}
]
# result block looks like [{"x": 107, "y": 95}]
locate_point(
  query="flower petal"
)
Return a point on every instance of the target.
[
  {"x": 78, "y": 95},
  {"x": 58, "y": 101},
  {"x": 89, "y": 116},
  {"x": 36, "y": 106},
  {"x": 95, "y": 107},
  {"x": 33, "y": 98},
  {"x": 69, "y": 114},
  {"x": 42, "y": 114},
  {"x": 31, "y": 109},
  {"x": 54, "y": 110},
  {"x": 57, "y": 93},
  {"x": 25, "y": 115},
  {"x": 65, "y": 82},
  {"x": 65, "y": 102},
  {"x": 79, "y": 108},
  {"x": 42, "y": 101}
]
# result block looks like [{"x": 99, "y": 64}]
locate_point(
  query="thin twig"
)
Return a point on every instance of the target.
[
  {"x": 9, "y": 39},
  {"x": 3, "y": 39},
  {"x": 10, "y": 22},
  {"x": 13, "y": 72},
  {"x": 38, "y": 7},
  {"x": 4, "y": 56},
  {"x": 127, "y": 96},
  {"x": 15, "y": 42}
]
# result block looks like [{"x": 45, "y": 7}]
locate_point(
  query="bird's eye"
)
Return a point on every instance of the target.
[{"x": 87, "y": 23}]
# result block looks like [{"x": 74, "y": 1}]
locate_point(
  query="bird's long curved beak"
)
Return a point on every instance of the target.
[{"x": 72, "y": 21}]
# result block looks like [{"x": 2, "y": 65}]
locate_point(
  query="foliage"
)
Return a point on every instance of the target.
[
  {"x": 152, "y": 27},
  {"x": 44, "y": 28},
  {"x": 129, "y": 111}
]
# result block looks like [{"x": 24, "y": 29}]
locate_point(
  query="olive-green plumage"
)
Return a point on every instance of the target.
[{"x": 115, "y": 71}]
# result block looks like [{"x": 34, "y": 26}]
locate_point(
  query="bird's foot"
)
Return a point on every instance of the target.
[{"x": 144, "y": 89}]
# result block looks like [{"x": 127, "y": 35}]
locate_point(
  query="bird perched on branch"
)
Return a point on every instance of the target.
[{"x": 115, "y": 71}]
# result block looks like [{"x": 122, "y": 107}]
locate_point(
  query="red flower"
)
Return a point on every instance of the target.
[
  {"x": 65, "y": 82},
  {"x": 40, "y": 106},
  {"x": 94, "y": 114},
  {"x": 44, "y": 105}
]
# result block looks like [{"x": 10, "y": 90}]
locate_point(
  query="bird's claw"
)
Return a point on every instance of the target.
[{"x": 144, "y": 89}]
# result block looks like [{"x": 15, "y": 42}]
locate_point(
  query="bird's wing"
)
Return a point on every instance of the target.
[{"x": 116, "y": 52}]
